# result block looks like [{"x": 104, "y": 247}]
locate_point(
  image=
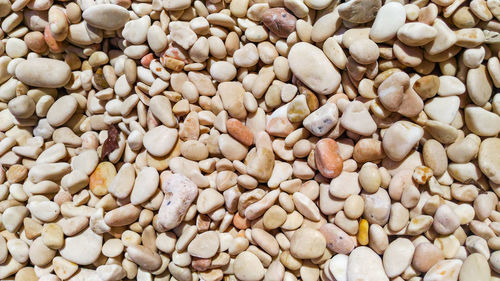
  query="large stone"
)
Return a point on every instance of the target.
[{"x": 312, "y": 67}]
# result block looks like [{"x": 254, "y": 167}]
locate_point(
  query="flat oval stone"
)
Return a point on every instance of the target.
[
  {"x": 83, "y": 248},
  {"x": 307, "y": 243},
  {"x": 364, "y": 264},
  {"x": 398, "y": 256},
  {"x": 106, "y": 16},
  {"x": 489, "y": 162},
  {"x": 313, "y": 68},
  {"x": 387, "y": 22},
  {"x": 43, "y": 72},
  {"x": 475, "y": 268},
  {"x": 248, "y": 267},
  {"x": 160, "y": 140}
]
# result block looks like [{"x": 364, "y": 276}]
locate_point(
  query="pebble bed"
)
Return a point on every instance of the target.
[{"x": 274, "y": 140}]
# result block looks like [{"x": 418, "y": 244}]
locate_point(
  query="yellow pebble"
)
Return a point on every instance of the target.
[{"x": 363, "y": 232}]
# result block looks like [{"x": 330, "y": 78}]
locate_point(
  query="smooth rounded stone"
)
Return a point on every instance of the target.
[
  {"x": 336, "y": 239},
  {"x": 248, "y": 267},
  {"x": 345, "y": 185},
  {"x": 297, "y": 109},
  {"x": 397, "y": 257},
  {"x": 322, "y": 120},
  {"x": 279, "y": 21},
  {"x": 357, "y": 119},
  {"x": 364, "y": 264},
  {"x": 377, "y": 207},
  {"x": 307, "y": 243},
  {"x": 426, "y": 255},
  {"x": 10, "y": 267},
  {"x": 444, "y": 270},
  {"x": 62, "y": 110},
  {"x": 144, "y": 257},
  {"x": 489, "y": 162},
  {"x": 64, "y": 268},
  {"x": 18, "y": 249},
  {"x": 123, "y": 215},
  {"x": 231, "y": 94},
  {"x": 222, "y": 71},
  {"x": 22, "y": 106},
  {"x": 364, "y": 51},
  {"x": 180, "y": 192},
  {"x": 450, "y": 86},
  {"x": 389, "y": 19},
  {"x": 106, "y": 16},
  {"x": 209, "y": 200},
  {"x": 40, "y": 255},
  {"x": 313, "y": 68},
  {"x": 204, "y": 245},
  {"x": 111, "y": 272},
  {"x": 391, "y": 90},
  {"x": 475, "y": 268},
  {"x": 482, "y": 122},
  {"x": 231, "y": 148},
  {"x": 445, "y": 220},
  {"x": 162, "y": 109},
  {"x": 444, "y": 40},
  {"x": 160, "y": 140},
  {"x": 442, "y": 109},
  {"x": 327, "y": 157},
  {"x": 479, "y": 86},
  {"x": 136, "y": 31},
  {"x": 43, "y": 72},
  {"x": 416, "y": 34},
  {"x": 359, "y": 11},
  {"x": 306, "y": 206},
  {"x": 435, "y": 157},
  {"x": 83, "y": 248},
  {"x": 45, "y": 211},
  {"x": 427, "y": 86},
  {"x": 400, "y": 138},
  {"x": 145, "y": 185}
]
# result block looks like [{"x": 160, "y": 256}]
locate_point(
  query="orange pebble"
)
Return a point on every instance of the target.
[
  {"x": 54, "y": 46},
  {"x": 146, "y": 60},
  {"x": 239, "y": 131},
  {"x": 240, "y": 222},
  {"x": 327, "y": 157}
]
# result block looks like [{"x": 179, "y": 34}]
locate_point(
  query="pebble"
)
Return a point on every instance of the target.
[
  {"x": 357, "y": 119},
  {"x": 444, "y": 270},
  {"x": 322, "y": 120},
  {"x": 398, "y": 256},
  {"x": 180, "y": 194},
  {"x": 400, "y": 138},
  {"x": 106, "y": 16},
  {"x": 43, "y": 72},
  {"x": 365, "y": 264},
  {"x": 279, "y": 21},
  {"x": 475, "y": 267},
  {"x": 145, "y": 185},
  {"x": 336, "y": 239},
  {"x": 160, "y": 140},
  {"x": 426, "y": 255},
  {"x": 390, "y": 17},
  {"x": 83, "y": 248},
  {"x": 328, "y": 160},
  {"x": 247, "y": 266},
  {"x": 307, "y": 243},
  {"x": 479, "y": 85},
  {"x": 318, "y": 73},
  {"x": 489, "y": 164},
  {"x": 359, "y": 11}
]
